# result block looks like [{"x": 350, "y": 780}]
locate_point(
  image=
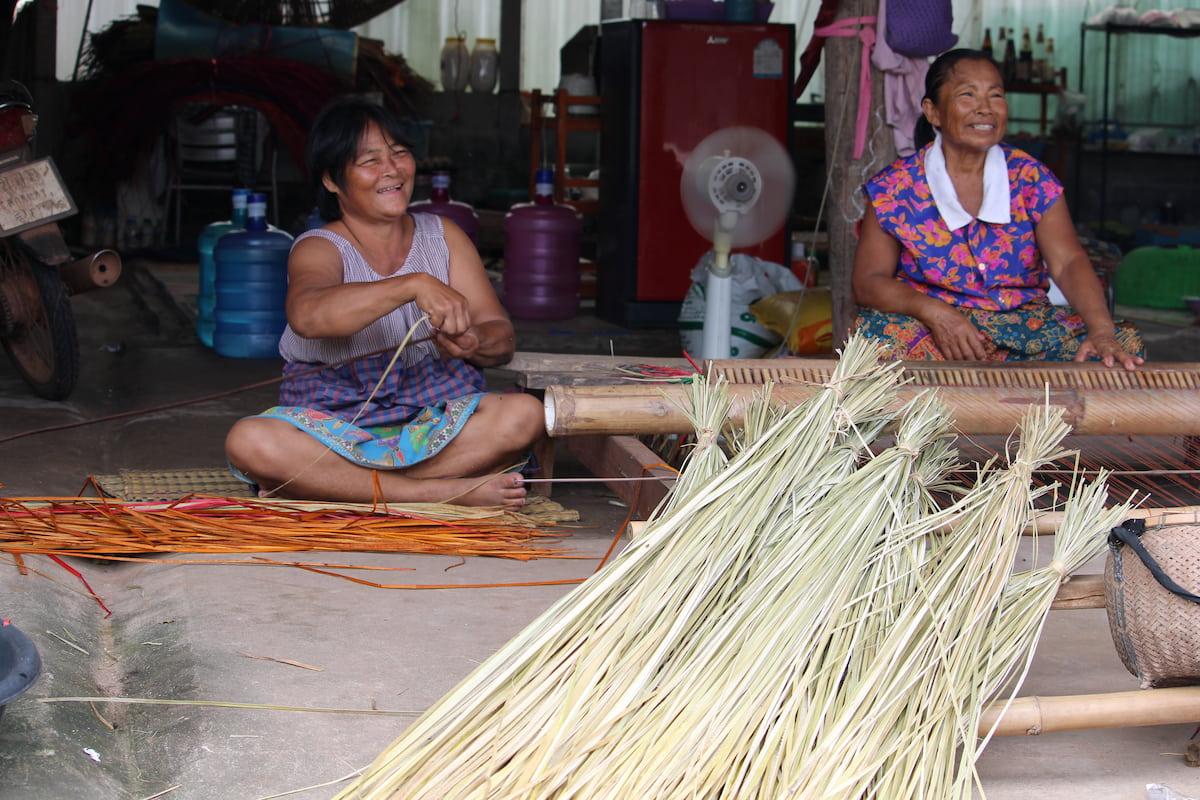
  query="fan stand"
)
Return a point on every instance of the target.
[{"x": 718, "y": 292}]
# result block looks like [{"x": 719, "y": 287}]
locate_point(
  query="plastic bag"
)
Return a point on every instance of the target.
[
  {"x": 752, "y": 280},
  {"x": 803, "y": 320}
]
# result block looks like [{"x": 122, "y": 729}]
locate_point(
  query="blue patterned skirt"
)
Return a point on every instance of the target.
[{"x": 414, "y": 413}]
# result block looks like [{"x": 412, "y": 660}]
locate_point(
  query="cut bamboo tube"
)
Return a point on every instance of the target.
[
  {"x": 1048, "y": 522},
  {"x": 1030, "y": 716},
  {"x": 647, "y": 409}
]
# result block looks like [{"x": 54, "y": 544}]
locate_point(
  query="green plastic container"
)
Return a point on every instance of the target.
[{"x": 1158, "y": 277}]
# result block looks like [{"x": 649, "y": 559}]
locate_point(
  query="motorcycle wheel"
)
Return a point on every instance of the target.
[{"x": 41, "y": 340}]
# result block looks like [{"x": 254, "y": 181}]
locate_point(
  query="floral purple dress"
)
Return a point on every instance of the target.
[{"x": 993, "y": 272}]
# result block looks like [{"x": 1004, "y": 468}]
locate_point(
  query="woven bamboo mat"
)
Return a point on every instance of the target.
[
  {"x": 157, "y": 486},
  {"x": 154, "y": 486}
]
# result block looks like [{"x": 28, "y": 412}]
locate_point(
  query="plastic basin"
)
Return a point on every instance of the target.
[{"x": 20, "y": 664}]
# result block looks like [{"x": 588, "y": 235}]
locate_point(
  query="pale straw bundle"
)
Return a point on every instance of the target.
[{"x": 791, "y": 624}]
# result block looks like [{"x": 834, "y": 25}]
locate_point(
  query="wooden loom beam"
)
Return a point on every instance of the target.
[{"x": 657, "y": 408}]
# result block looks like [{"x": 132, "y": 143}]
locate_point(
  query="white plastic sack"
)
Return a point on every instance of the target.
[
  {"x": 1156, "y": 791},
  {"x": 752, "y": 280}
]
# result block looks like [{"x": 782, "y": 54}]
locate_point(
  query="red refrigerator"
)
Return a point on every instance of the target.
[{"x": 665, "y": 86}]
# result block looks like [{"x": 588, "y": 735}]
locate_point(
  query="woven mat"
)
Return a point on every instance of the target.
[{"x": 155, "y": 486}]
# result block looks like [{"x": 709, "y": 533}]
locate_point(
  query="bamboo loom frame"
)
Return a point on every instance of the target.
[{"x": 1158, "y": 399}]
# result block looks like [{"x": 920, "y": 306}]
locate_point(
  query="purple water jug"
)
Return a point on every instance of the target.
[
  {"x": 541, "y": 255},
  {"x": 439, "y": 203}
]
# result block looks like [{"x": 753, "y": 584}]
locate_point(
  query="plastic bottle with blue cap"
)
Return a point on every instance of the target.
[{"x": 251, "y": 286}]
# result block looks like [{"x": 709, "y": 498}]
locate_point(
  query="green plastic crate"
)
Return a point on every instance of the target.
[{"x": 1158, "y": 277}]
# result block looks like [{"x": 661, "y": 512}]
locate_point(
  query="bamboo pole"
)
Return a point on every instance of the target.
[
  {"x": 1030, "y": 716},
  {"x": 1048, "y": 521},
  {"x": 658, "y": 408}
]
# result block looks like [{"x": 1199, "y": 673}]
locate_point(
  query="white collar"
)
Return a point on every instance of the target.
[{"x": 996, "y": 199}]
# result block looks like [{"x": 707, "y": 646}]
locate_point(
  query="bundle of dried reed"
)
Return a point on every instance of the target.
[{"x": 804, "y": 622}]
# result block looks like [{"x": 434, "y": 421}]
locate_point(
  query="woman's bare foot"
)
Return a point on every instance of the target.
[{"x": 506, "y": 489}]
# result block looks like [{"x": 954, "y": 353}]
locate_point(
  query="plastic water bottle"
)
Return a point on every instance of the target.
[
  {"x": 541, "y": 255},
  {"x": 314, "y": 220},
  {"x": 251, "y": 286},
  {"x": 439, "y": 203},
  {"x": 206, "y": 298}
]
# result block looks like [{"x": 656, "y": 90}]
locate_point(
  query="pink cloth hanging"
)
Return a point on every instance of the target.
[{"x": 863, "y": 28}]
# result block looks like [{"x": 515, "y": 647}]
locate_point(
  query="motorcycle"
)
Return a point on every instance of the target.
[{"x": 37, "y": 271}]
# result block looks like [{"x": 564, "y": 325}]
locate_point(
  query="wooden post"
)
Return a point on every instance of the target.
[{"x": 847, "y": 174}]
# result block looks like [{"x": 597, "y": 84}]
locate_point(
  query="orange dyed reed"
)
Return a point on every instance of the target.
[{"x": 83, "y": 526}]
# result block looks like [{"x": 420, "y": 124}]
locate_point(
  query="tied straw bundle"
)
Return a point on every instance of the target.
[{"x": 803, "y": 618}]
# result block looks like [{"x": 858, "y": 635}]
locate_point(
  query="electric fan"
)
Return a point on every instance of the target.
[{"x": 736, "y": 190}]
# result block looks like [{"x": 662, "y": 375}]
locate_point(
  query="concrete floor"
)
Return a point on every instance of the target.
[{"x": 192, "y": 631}]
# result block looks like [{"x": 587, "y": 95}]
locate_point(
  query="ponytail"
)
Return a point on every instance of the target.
[{"x": 923, "y": 132}]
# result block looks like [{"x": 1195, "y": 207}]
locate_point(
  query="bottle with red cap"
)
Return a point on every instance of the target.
[{"x": 440, "y": 203}]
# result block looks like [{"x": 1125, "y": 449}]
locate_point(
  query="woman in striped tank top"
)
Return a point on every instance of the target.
[{"x": 421, "y": 423}]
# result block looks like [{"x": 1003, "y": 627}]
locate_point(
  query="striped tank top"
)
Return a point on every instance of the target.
[{"x": 429, "y": 254}]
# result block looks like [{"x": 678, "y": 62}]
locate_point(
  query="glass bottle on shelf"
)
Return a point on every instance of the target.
[
  {"x": 1049, "y": 67},
  {"x": 1009, "y": 67},
  {"x": 455, "y": 63},
  {"x": 484, "y": 61},
  {"x": 1038, "y": 73},
  {"x": 986, "y": 47},
  {"x": 1025, "y": 57}
]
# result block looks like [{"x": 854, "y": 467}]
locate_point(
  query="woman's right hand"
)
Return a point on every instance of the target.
[
  {"x": 954, "y": 334},
  {"x": 448, "y": 309}
]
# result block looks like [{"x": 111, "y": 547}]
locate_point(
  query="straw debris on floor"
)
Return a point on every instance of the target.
[{"x": 804, "y": 617}]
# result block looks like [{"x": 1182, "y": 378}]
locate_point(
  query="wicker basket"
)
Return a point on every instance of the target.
[{"x": 1155, "y": 629}]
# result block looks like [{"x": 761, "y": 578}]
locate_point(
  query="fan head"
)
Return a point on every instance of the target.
[{"x": 742, "y": 178}]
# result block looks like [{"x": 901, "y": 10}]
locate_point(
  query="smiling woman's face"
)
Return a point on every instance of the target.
[
  {"x": 971, "y": 110},
  {"x": 379, "y": 180}
]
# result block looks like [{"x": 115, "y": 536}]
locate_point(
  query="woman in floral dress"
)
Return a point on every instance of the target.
[{"x": 960, "y": 241}]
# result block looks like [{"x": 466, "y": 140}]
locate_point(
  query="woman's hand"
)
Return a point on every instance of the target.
[
  {"x": 464, "y": 345},
  {"x": 1108, "y": 350},
  {"x": 448, "y": 309},
  {"x": 1072, "y": 270},
  {"x": 484, "y": 345},
  {"x": 954, "y": 334}
]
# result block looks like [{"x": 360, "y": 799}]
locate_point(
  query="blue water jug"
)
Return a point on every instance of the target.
[
  {"x": 206, "y": 295},
  {"x": 251, "y": 286}
]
